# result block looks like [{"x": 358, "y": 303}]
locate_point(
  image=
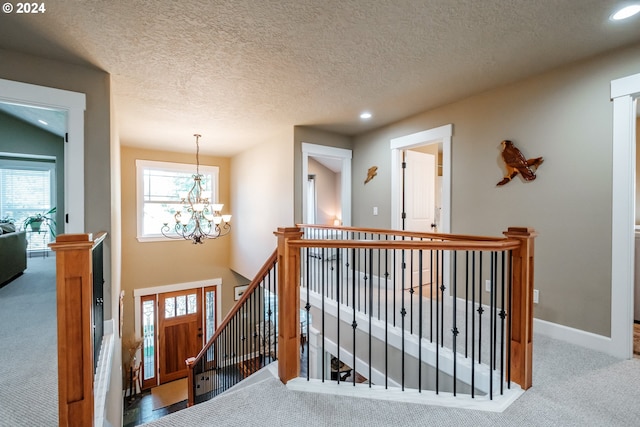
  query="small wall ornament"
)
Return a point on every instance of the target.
[
  {"x": 516, "y": 163},
  {"x": 373, "y": 171}
]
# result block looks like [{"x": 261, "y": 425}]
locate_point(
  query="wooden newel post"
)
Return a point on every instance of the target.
[
  {"x": 74, "y": 289},
  {"x": 191, "y": 400},
  {"x": 288, "y": 304},
  {"x": 522, "y": 306}
]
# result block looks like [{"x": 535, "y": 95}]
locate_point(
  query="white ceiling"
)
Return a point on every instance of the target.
[{"x": 243, "y": 71}]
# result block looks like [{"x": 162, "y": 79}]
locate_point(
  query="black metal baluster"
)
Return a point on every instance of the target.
[
  {"x": 308, "y": 308},
  {"x": 473, "y": 324},
  {"x": 420, "y": 322},
  {"x": 366, "y": 280},
  {"x": 494, "y": 287},
  {"x": 338, "y": 324},
  {"x": 480, "y": 309},
  {"x": 509, "y": 324},
  {"x": 354, "y": 324},
  {"x": 466, "y": 307},
  {"x": 441, "y": 289},
  {"x": 433, "y": 278},
  {"x": 411, "y": 290},
  {"x": 395, "y": 282},
  {"x": 502, "y": 317},
  {"x": 370, "y": 313},
  {"x": 386, "y": 321},
  {"x": 491, "y": 325},
  {"x": 437, "y": 325},
  {"x": 379, "y": 278},
  {"x": 403, "y": 313},
  {"x": 322, "y": 295},
  {"x": 454, "y": 331}
]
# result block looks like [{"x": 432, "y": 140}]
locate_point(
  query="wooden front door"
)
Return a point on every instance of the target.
[{"x": 180, "y": 332}]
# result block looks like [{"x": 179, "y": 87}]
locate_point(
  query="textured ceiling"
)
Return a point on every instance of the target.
[{"x": 240, "y": 72}]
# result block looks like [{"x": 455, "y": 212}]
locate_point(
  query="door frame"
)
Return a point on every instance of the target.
[
  {"x": 624, "y": 92},
  {"x": 443, "y": 135},
  {"x": 343, "y": 154},
  {"x": 74, "y": 103},
  {"x": 156, "y": 290}
]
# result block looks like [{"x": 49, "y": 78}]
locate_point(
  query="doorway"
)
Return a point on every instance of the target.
[
  {"x": 74, "y": 104},
  {"x": 430, "y": 209},
  {"x": 174, "y": 322},
  {"x": 441, "y": 136},
  {"x": 326, "y": 161},
  {"x": 624, "y": 92}
]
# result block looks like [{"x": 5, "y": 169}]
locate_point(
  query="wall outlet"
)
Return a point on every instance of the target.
[
  {"x": 536, "y": 295},
  {"x": 487, "y": 285},
  {"x": 375, "y": 210}
]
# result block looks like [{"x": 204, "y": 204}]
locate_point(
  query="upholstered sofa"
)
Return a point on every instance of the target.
[{"x": 13, "y": 254}]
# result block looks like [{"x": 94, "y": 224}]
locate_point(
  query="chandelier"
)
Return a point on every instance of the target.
[{"x": 204, "y": 220}]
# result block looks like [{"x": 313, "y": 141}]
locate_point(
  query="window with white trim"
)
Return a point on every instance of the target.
[
  {"x": 161, "y": 186},
  {"x": 27, "y": 187}
]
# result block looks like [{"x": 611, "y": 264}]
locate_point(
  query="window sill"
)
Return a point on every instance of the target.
[{"x": 147, "y": 239}]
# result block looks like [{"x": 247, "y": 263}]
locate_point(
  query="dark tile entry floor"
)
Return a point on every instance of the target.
[{"x": 139, "y": 409}]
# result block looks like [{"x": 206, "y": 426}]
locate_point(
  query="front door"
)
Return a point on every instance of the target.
[{"x": 180, "y": 332}]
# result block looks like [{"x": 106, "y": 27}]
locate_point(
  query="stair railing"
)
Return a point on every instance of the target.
[
  {"x": 244, "y": 342},
  {"x": 455, "y": 263},
  {"x": 79, "y": 296}
]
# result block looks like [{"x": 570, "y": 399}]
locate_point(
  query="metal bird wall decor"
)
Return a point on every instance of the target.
[
  {"x": 373, "y": 171},
  {"x": 516, "y": 163}
]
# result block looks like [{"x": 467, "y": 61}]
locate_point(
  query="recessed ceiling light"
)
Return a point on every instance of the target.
[
  {"x": 626, "y": 12},
  {"x": 365, "y": 115},
  {"x": 43, "y": 122}
]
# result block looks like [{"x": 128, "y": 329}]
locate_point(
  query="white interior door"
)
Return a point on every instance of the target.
[
  {"x": 419, "y": 191},
  {"x": 420, "y": 175}
]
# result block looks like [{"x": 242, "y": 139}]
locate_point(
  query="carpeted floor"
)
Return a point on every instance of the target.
[
  {"x": 572, "y": 387},
  {"x": 28, "y": 354}
]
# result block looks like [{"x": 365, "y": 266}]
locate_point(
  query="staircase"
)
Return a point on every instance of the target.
[{"x": 424, "y": 315}]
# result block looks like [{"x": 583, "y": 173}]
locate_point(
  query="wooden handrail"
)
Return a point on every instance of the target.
[
  {"x": 74, "y": 289},
  {"x": 496, "y": 245},
  {"x": 417, "y": 234},
  {"x": 255, "y": 283}
]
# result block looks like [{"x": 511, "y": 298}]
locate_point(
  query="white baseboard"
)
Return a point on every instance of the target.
[{"x": 573, "y": 336}]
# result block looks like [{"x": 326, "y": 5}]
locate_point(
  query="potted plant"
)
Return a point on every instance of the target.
[
  {"x": 7, "y": 220},
  {"x": 35, "y": 221}
]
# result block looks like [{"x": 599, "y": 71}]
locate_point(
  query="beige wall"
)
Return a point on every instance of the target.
[
  {"x": 174, "y": 261},
  {"x": 564, "y": 116},
  {"x": 262, "y": 195}
]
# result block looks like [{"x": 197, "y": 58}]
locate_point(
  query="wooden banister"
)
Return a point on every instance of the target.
[
  {"x": 522, "y": 306},
  {"x": 400, "y": 233},
  {"x": 74, "y": 289},
  {"x": 288, "y": 304}
]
